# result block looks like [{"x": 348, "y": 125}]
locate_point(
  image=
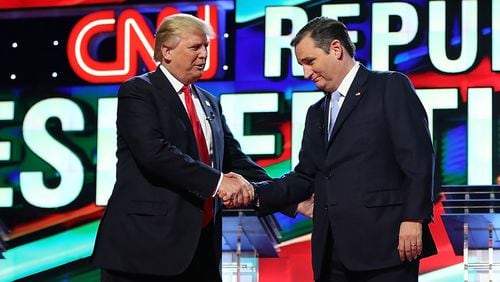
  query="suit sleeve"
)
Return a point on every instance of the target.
[
  {"x": 408, "y": 127},
  {"x": 161, "y": 163}
]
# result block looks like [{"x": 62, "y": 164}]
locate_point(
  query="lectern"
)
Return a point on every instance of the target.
[
  {"x": 245, "y": 238},
  {"x": 472, "y": 220}
]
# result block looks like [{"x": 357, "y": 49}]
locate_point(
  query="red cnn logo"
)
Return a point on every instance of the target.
[{"x": 134, "y": 39}]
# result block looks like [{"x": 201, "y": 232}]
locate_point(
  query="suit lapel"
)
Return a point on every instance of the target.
[
  {"x": 173, "y": 104},
  {"x": 213, "y": 119},
  {"x": 209, "y": 110},
  {"x": 352, "y": 98},
  {"x": 170, "y": 97},
  {"x": 214, "y": 122},
  {"x": 205, "y": 104}
]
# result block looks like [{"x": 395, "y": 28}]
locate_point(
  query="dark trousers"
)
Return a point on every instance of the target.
[
  {"x": 333, "y": 270},
  {"x": 203, "y": 267}
]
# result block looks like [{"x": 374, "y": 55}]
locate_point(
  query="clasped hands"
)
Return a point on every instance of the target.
[{"x": 235, "y": 191}]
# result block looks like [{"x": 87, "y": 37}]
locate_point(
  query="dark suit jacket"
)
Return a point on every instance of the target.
[
  {"x": 376, "y": 171},
  {"x": 154, "y": 216}
]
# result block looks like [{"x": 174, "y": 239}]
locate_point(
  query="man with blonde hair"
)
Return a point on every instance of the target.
[{"x": 163, "y": 219}]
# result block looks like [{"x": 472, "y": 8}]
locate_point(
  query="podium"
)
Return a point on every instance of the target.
[
  {"x": 245, "y": 238},
  {"x": 472, "y": 220}
]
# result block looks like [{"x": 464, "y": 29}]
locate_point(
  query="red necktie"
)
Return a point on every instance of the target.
[{"x": 202, "y": 147}]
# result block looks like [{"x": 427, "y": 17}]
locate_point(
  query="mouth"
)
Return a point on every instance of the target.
[{"x": 200, "y": 66}]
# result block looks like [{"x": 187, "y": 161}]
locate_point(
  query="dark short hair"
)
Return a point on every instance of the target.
[{"x": 323, "y": 31}]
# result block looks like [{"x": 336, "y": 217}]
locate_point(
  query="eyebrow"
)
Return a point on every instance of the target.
[{"x": 306, "y": 59}]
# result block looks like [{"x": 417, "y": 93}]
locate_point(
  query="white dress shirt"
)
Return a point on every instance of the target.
[{"x": 344, "y": 88}]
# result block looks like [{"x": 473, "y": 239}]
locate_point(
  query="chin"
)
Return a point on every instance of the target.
[
  {"x": 321, "y": 86},
  {"x": 195, "y": 75}
]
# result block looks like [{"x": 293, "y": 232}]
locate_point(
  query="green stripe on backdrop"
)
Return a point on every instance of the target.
[{"x": 49, "y": 252}]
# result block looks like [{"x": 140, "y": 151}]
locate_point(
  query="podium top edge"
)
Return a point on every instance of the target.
[
  {"x": 456, "y": 188},
  {"x": 470, "y": 186}
]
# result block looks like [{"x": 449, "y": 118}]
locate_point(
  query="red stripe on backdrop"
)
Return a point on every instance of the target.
[
  {"x": 481, "y": 76},
  {"x": 68, "y": 219},
  {"x": 15, "y": 4},
  {"x": 293, "y": 265},
  {"x": 446, "y": 256}
]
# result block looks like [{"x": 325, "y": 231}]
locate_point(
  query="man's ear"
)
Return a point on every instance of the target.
[
  {"x": 166, "y": 53},
  {"x": 336, "y": 48}
]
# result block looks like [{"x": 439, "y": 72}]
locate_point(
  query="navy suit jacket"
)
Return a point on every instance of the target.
[
  {"x": 374, "y": 172},
  {"x": 154, "y": 216}
]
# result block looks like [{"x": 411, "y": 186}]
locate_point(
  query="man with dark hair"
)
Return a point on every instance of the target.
[{"x": 368, "y": 158}]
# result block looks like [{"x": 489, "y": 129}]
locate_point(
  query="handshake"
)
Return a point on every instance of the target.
[{"x": 235, "y": 191}]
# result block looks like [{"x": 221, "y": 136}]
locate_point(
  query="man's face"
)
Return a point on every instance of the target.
[
  {"x": 324, "y": 69},
  {"x": 186, "y": 61}
]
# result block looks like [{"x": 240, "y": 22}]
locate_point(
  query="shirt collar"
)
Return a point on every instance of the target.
[
  {"x": 348, "y": 79},
  {"x": 175, "y": 83}
]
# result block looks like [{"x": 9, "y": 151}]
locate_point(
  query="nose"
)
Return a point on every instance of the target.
[
  {"x": 307, "y": 72},
  {"x": 204, "y": 52}
]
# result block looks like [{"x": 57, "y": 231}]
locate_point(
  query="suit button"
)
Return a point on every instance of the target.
[
  {"x": 326, "y": 207},
  {"x": 328, "y": 176}
]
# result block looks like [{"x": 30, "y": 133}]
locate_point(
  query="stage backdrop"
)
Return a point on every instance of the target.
[{"x": 63, "y": 61}]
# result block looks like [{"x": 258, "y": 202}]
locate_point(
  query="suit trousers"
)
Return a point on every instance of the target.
[
  {"x": 202, "y": 268},
  {"x": 333, "y": 270}
]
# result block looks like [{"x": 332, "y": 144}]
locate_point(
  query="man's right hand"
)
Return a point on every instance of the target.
[
  {"x": 235, "y": 191},
  {"x": 307, "y": 207}
]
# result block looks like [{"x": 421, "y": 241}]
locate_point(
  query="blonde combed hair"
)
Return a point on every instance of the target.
[{"x": 172, "y": 27}]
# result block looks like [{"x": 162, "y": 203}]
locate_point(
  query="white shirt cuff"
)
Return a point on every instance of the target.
[{"x": 218, "y": 184}]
